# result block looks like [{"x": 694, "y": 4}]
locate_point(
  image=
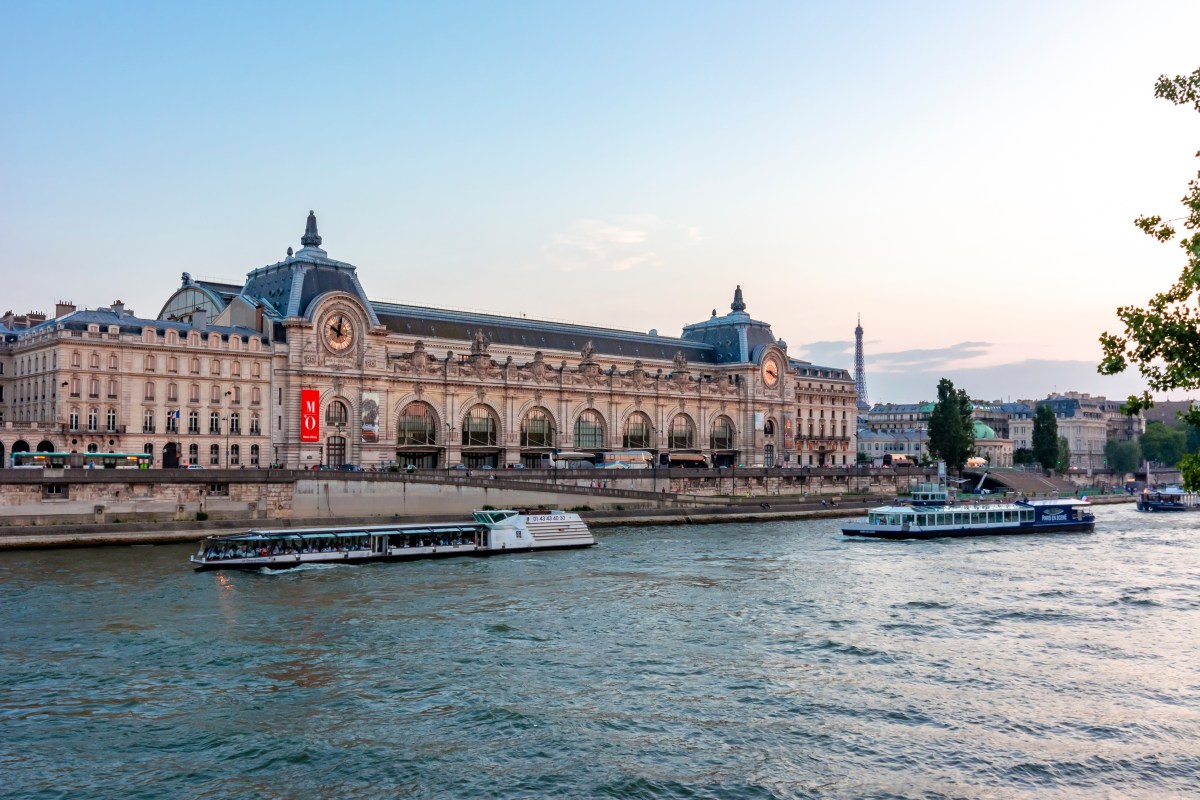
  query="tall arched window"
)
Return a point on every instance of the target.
[
  {"x": 235, "y": 454},
  {"x": 589, "y": 431},
  {"x": 537, "y": 429},
  {"x": 418, "y": 426},
  {"x": 336, "y": 413},
  {"x": 235, "y": 423},
  {"x": 722, "y": 434},
  {"x": 682, "y": 434},
  {"x": 479, "y": 428},
  {"x": 193, "y": 454},
  {"x": 254, "y": 455},
  {"x": 214, "y": 454},
  {"x": 638, "y": 434}
]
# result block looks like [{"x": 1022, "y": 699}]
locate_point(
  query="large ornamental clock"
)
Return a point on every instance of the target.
[
  {"x": 338, "y": 332},
  {"x": 770, "y": 372}
]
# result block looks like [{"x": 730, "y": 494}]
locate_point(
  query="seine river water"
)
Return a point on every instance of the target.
[{"x": 726, "y": 661}]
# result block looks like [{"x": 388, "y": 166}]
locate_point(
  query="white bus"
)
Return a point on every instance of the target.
[
  {"x": 625, "y": 459},
  {"x": 574, "y": 460}
]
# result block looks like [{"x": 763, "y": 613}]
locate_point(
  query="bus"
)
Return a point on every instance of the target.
[
  {"x": 568, "y": 459},
  {"x": 624, "y": 459},
  {"x": 685, "y": 460},
  {"x": 39, "y": 460}
]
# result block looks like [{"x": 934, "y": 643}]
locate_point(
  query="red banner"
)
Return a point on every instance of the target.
[{"x": 310, "y": 415}]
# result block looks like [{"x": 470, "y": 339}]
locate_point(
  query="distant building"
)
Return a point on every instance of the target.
[
  {"x": 1083, "y": 420},
  {"x": 874, "y": 445}
]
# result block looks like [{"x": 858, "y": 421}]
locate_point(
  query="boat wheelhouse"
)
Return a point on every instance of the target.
[
  {"x": 929, "y": 494},
  {"x": 933, "y": 522},
  {"x": 488, "y": 533}
]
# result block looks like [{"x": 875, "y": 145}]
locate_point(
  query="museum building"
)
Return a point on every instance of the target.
[{"x": 297, "y": 366}]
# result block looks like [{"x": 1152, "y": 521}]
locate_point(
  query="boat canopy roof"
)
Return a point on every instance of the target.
[{"x": 1064, "y": 501}]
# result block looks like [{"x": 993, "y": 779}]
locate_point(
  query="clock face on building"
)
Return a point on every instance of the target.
[
  {"x": 338, "y": 333},
  {"x": 770, "y": 372}
]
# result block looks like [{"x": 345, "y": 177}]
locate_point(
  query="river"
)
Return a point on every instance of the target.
[{"x": 771, "y": 660}]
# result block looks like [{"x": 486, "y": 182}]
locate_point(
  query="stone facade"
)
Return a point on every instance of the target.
[{"x": 219, "y": 378}]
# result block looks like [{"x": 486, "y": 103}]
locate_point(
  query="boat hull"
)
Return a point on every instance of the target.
[
  {"x": 293, "y": 561},
  {"x": 968, "y": 532}
]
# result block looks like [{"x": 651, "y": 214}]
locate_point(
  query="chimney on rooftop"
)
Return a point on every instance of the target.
[
  {"x": 200, "y": 319},
  {"x": 62, "y": 308},
  {"x": 118, "y": 308}
]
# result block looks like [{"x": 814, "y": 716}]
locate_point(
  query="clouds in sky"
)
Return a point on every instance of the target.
[
  {"x": 619, "y": 245},
  {"x": 841, "y": 353}
]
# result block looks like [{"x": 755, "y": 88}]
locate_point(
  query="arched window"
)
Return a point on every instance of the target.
[
  {"x": 148, "y": 449},
  {"x": 769, "y": 426},
  {"x": 193, "y": 454},
  {"x": 194, "y": 366},
  {"x": 255, "y": 396},
  {"x": 149, "y": 390},
  {"x": 93, "y": 448},
  {"x": 93, "y": 419},
  {"x": 255, "y": 426},
  {"x": 722, "y": 434},
  {"x": 537, "y": 429},
  {"x": 336, "y": 413},
  {"x": 150, "y": 364},
  {"x": 589, "y": 431},
  {"x": 418, "y": 426},
  {"x": 235, "y": 423},
  {"x": 235, "y": 454},
  {"x": 214, "y": 454},
  {"x": 112, "y": 362},
  {"x": 76, "y": 359},
  {"x": 236, "y": 369},
  {"x": 479, "y": 428},
  {"x": 254, "y": 455},
  {"x": 215, "y": 394},
  {"x": 214, "y": 422},
  {"x": 682, "y": 434},
  {"x": 255, "y": 370},
  {"x": 194, "y": 393},
  {"x": 110, "y": 419},
  {"x": 638, "y": 434},
  {"x": 95, "y": 360}
]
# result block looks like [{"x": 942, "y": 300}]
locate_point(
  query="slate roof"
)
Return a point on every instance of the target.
[{"x": 422, "y": 322}]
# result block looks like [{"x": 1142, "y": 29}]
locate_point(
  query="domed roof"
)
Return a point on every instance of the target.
[{"x": 983, "y": 431}]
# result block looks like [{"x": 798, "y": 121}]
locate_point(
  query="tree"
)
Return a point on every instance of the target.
[
  {"x": 1122, "y": 455},
  {"x": 951, "y": 428},
  {"x": 1023, "y": 455},
  {"x": 1045, "y": 437},
  {"x": 1163, "y": 339},
  {"x": 1164, "y": 444},
  {"x": 1064, "y": 455}
]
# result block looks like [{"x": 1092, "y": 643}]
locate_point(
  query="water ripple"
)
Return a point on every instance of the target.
[{"x": 770, "y": 661}]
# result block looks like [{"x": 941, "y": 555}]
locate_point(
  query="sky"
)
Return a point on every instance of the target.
[{"x": 963, "y": 175}]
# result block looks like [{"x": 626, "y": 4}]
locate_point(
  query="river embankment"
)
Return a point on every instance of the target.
[{"x": 139, "y": 533}]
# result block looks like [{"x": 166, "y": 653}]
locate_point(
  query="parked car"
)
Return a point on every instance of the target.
[{"x": 350, "y": 468}]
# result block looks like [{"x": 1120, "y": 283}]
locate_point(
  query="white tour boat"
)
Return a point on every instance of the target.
[
  {"x": 1065, "y": 515},
  {"x": 488, "y": 533}
]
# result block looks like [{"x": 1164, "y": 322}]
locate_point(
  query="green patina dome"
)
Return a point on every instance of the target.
[{"x": 983, "y": 431}]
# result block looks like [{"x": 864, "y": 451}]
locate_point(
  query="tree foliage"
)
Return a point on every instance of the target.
[
  {"x": 1164, "y": 444},
  {"x": 1122, "y": 455},
  {"x": 1064, "y": 455},
  {"x": 1045, "y": 437},
  {"x": 951, "y": 428},
  {"x": 1163, "y": 339}
]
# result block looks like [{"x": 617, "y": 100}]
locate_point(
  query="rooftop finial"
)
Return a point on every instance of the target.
[
  {"x": 310, "y": 237},
  {"x": 738, "y": 304}
]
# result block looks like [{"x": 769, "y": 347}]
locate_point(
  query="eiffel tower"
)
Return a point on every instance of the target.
[{"x": 860, "y": 369}]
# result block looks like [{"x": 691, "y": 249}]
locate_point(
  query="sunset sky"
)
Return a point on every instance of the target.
[{"x": 964, "y": 175}]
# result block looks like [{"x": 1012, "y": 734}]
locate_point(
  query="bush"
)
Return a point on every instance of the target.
[
  {"x": 488, "y": 508},
  {"x": 581, "y": 508},
  {"x": 201, "y": 516}
]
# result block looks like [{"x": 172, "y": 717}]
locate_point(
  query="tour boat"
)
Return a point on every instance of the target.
[
  {"x": 934, "y": 522},
  {"x": 1165, "y": 501},
  {"x": 489, "y": 533}
]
